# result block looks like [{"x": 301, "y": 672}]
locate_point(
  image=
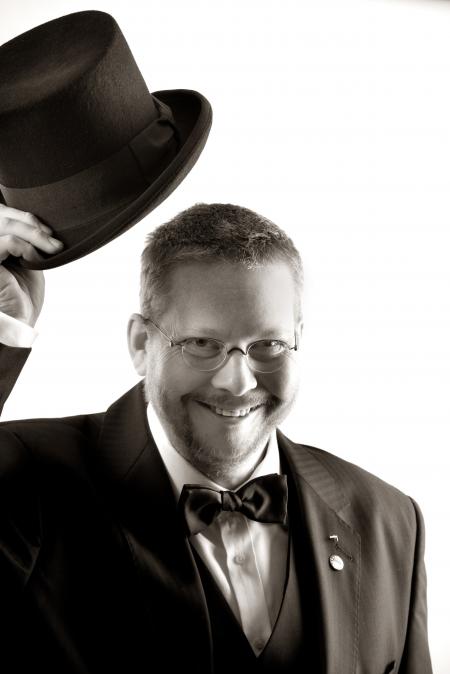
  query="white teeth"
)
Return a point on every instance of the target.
[
  {"x": 232, "y": 413},
  {"x": 245, "y": 411}
]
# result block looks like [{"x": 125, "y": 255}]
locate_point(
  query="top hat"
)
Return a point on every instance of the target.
[{"x": 84, "y": 145}]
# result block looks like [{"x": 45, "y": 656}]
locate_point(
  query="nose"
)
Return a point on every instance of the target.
[{"x": 235, "y": 375}]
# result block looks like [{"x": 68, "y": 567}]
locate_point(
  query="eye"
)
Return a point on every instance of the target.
[
  {"x": 271, "y": 345},
  {"x": 266, "y": 349},
  {"x": 200, "y": 341},
  {"x": 202, "y": 346}
]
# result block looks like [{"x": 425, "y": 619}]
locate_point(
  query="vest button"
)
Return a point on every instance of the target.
[{"x": 239, "y": 559}]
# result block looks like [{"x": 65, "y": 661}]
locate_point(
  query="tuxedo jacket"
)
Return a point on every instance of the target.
[{"x": 97, "y": 575}]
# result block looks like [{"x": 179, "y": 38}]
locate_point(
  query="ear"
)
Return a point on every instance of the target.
[{"x": 137, "y": 340}]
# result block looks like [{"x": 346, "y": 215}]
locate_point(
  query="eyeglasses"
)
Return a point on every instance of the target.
[{"x": 206, "y": 354}]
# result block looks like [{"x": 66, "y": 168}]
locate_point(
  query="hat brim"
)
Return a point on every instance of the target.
[{"x": 193, "y": 117}]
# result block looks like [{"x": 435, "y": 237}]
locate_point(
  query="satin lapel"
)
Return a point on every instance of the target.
[
  {"x": 142, "y": 498},
  {"x": 323, "y": 504}
]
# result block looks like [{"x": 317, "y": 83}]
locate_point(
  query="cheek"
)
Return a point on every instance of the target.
[
  {"x": 159, "y": 360},
  {"x": 167, "y": 372},
  {"x": 282, "y": 384},
  {"x": 161, "y": 367}
]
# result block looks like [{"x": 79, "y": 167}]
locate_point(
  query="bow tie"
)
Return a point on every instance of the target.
[{"x": 263, "y": 499}]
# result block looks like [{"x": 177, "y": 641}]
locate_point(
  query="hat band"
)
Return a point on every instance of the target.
[{"x": 107, "y": 185}]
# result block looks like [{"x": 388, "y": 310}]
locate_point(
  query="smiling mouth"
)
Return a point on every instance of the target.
[{"x": 236, "y": 413}]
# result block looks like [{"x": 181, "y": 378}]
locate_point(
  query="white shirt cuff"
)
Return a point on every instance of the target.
[{"x": 16, "y": 333}]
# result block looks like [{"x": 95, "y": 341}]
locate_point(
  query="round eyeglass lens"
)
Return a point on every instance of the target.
[
  {"x": 203, "y": 354},
  {"x": 267, "y": 355}
]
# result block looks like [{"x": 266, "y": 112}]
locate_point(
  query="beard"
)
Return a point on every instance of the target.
[{"x": 220, "y": 456}]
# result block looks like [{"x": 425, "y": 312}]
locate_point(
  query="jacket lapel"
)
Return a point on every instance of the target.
[
  {"x": 323, "y": 504},
  {"x": 141, "y": 496}
]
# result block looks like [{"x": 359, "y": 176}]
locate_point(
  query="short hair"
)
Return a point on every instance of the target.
[{"x": 211, "y": 233}]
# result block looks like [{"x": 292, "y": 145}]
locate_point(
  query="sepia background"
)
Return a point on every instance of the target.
[{"x": 332, "y": 119}]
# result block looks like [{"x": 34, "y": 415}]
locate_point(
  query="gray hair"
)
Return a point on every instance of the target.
[{"x": 212, "y": 233}]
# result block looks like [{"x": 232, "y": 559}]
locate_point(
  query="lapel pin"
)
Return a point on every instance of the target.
[{"x": 336, "y": 562}]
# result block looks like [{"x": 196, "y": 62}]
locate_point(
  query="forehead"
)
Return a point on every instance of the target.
[{"x": 230, "y": 298}]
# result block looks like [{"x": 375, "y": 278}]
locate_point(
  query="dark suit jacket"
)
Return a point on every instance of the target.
[{"x": 96, "y": 574}]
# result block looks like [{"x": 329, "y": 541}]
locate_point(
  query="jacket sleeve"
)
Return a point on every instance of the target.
[
  {"x": 20, "y": 541},
  {"x": 416, "y": 655},
  {"x": 12, "y": 360}
]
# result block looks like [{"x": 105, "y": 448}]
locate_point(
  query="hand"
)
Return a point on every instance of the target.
[{"x": 22, "y": 290}]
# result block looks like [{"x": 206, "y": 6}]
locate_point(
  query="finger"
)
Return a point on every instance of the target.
[
  {"x": 9, "y": 213},
  {"x": 29, "y": 233},
  {"x": 13, "y": 245},
  {"x": 11, "y": 225},
  {"x": 17, "y": 214}
]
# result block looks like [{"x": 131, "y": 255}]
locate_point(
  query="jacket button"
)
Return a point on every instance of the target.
[{"x": 336, "y": 562}]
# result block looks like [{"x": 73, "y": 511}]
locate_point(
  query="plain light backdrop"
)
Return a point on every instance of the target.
[{"x": 332, "y": 119}]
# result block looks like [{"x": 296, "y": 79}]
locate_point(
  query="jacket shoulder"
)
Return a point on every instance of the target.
[
  {"x": 48, "y": 440},
  {"x": 368, "y": 498},
  {"x": 31, "y": 450},
  {"x": 351, "y": 474},
  {"x": 37, "y": 457}
]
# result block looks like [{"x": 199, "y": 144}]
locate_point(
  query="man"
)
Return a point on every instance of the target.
[{"x": 156, "y": 536}]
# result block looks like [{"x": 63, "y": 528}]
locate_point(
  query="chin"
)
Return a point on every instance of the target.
[
  {"x": 215, "y": 455},
  {"x": 233, "y": 449}
]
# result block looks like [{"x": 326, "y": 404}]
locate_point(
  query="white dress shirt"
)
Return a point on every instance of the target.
[
  {"x": 15, "y": 333},
  {"x": 247, "y": 559}
]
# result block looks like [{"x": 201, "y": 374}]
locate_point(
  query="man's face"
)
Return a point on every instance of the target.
[{"x": 237, "y": 306}]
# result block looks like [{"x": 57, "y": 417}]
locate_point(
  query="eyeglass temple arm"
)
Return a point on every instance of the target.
[{"x": 169, "y": 339}]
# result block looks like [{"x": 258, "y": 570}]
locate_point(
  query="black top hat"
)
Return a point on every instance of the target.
[{"x": 83, "y": 143}]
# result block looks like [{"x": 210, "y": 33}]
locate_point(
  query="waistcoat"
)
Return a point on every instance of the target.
[{"x": 293, "y": 645}]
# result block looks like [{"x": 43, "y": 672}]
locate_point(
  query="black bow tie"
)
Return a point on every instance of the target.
[{"x": 263, "y": 499}]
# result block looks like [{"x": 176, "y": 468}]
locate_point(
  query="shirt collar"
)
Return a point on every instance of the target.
[{"x": 182, "y": 472}]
